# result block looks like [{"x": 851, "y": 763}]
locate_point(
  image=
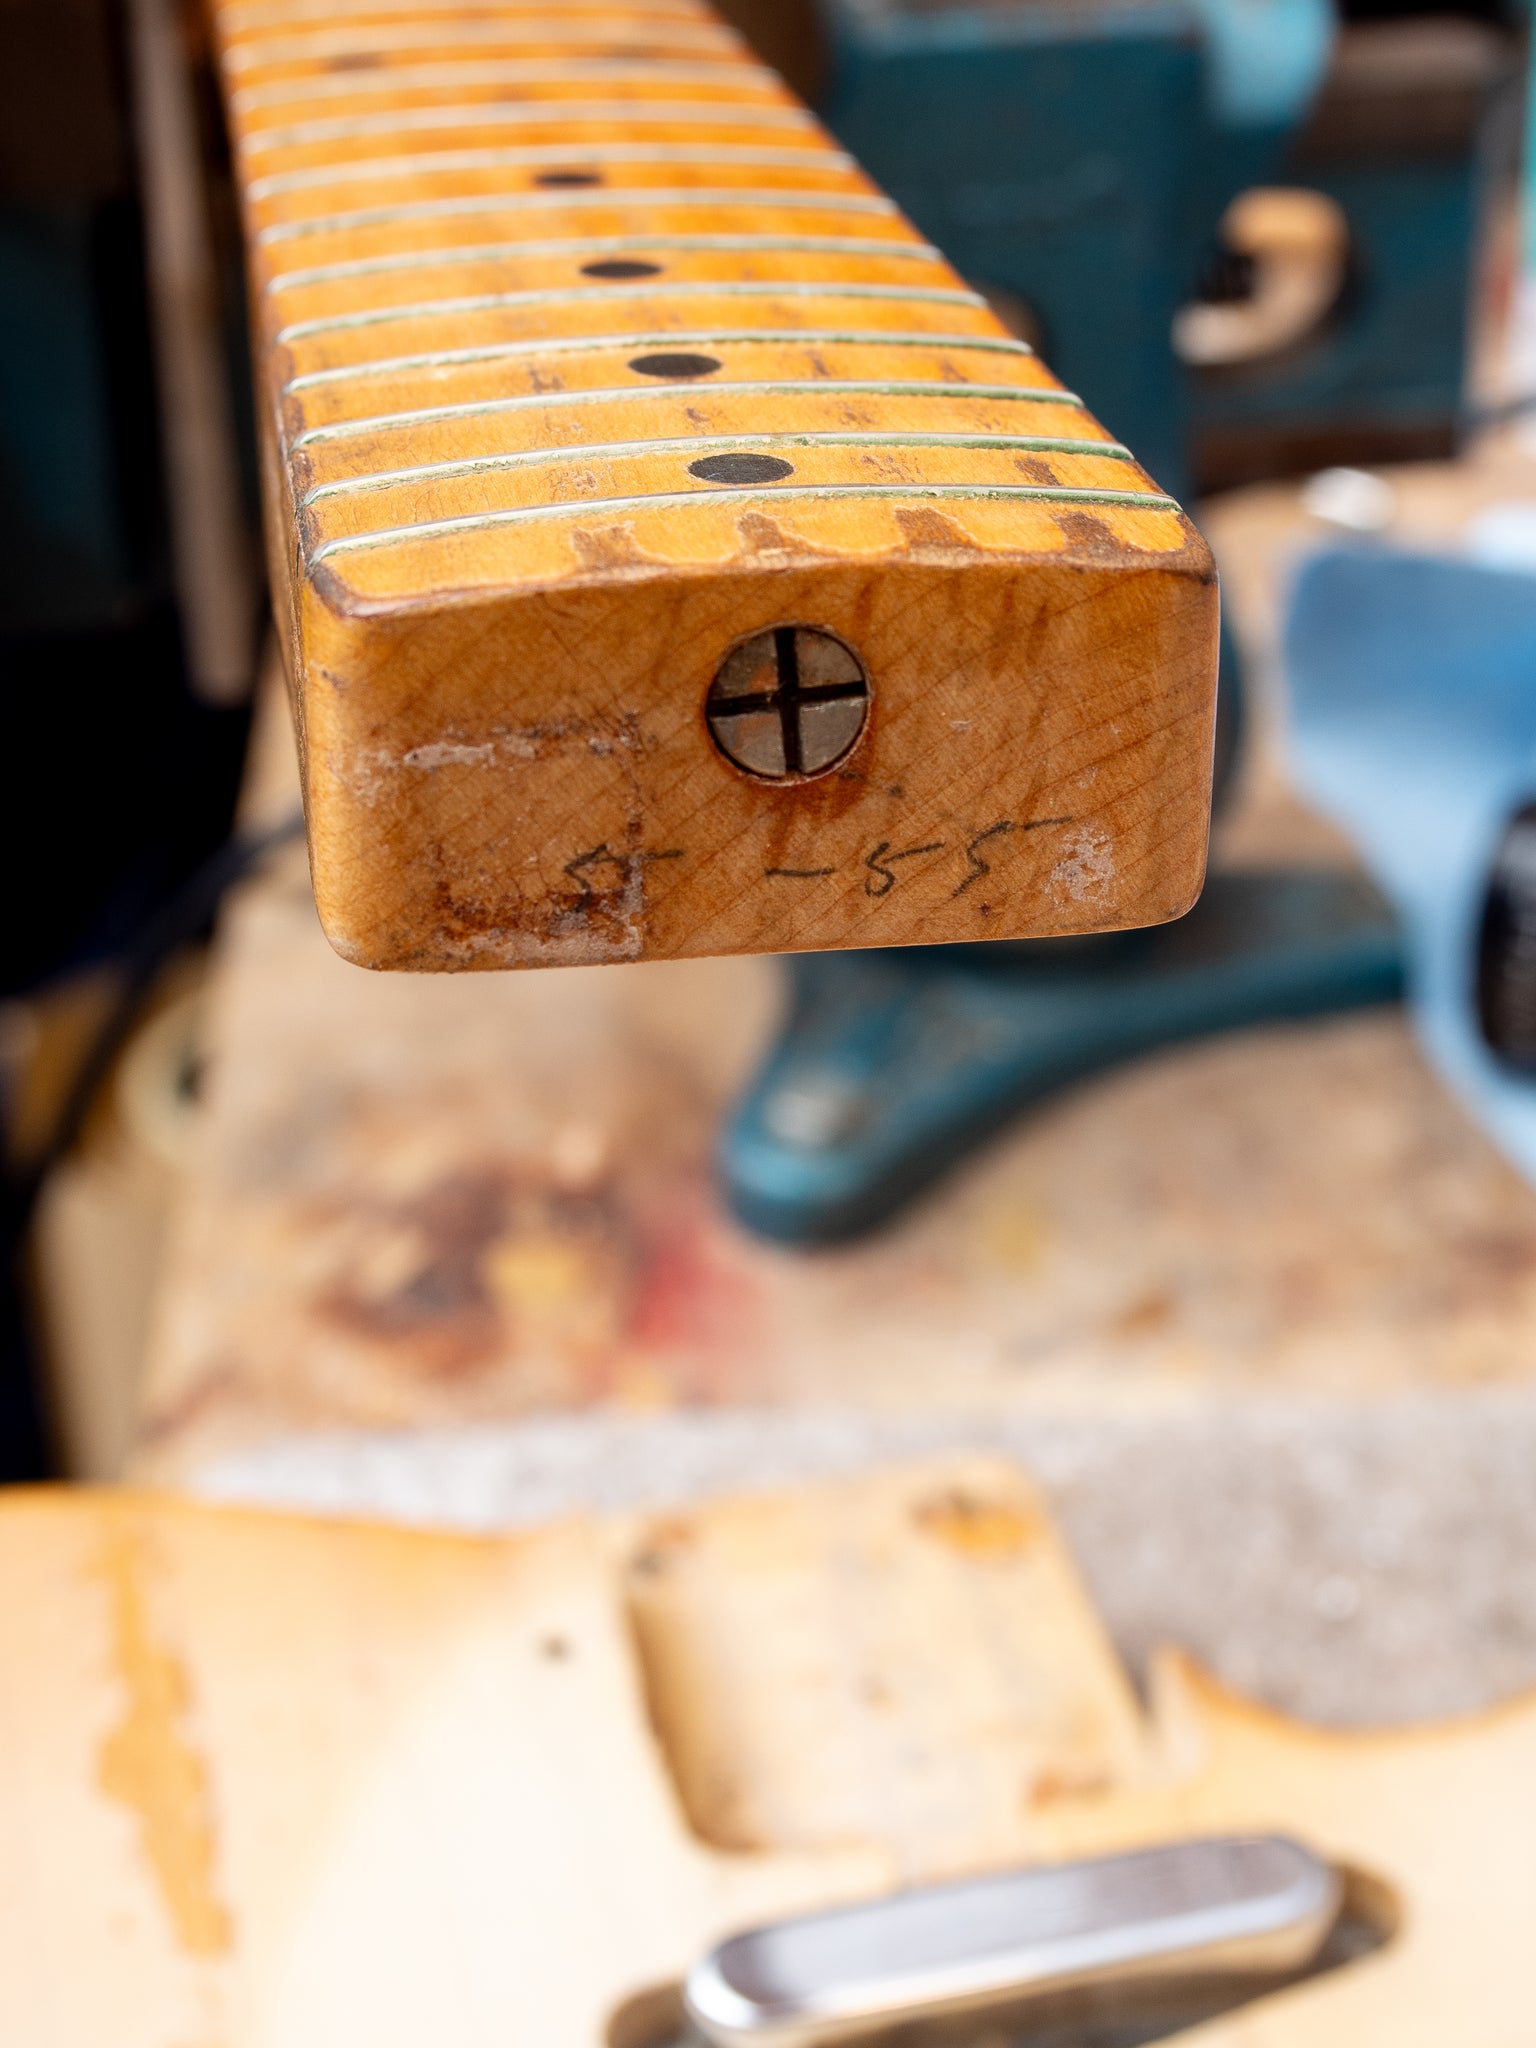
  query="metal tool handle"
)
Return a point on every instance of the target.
[{"x": 1235, "y": 1906}]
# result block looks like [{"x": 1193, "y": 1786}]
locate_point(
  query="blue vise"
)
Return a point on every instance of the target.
[{"x": 1076, "y": 160}]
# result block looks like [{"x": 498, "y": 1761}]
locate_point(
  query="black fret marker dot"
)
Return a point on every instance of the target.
[
  {"x": 740, "y": 469},
  {"x": 620, "y": 266},
  {"x": 680, "y": 364},
  {"x": 569, "y": 178}
]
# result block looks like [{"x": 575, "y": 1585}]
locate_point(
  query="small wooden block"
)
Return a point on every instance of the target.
[{"x": 675, "y": 556}]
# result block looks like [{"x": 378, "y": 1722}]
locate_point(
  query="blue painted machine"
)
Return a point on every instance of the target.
[
  {"x": 893, "y": 1065},
  {"x": 1077, "y": 161},
  {"x": 1413, "y": 682}
]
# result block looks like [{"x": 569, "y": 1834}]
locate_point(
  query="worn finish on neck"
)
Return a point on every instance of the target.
[{"x": 585, "y": 358}]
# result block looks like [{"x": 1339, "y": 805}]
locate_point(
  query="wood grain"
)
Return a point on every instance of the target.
[
  {"x": 276, "y": 1784},
  {"x": 584, "y": 357},
  {"x": 273, "y": 1784}
]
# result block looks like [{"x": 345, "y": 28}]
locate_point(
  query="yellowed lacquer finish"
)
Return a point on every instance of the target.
[
  {"x": 584, "y": 356},
  {"x": 273, "y": 1783}
]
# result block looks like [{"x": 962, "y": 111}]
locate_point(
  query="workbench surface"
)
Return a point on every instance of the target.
[{"x": 484, "y": 1206}]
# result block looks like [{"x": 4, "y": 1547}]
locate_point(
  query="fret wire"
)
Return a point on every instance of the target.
[
  {"x": 722, "y": 288},
  {"x": 530, "y": 113},
  {"x": 509, "y": 71},
  {"x": 432, "y": 529},
  {"x": 785, "y": 199},
  {"x": 778, "y": 387},
  {"x": 552, "y": 345},
  {"x": 324, "y": 39},
  {"x": 477, "y": 465},
  {"x": 336, "y": 10},
  {"x": 498, "y": 252},
  {"x": 441, "y": 162}
]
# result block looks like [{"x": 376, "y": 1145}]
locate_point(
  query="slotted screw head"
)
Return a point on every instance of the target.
[{"x": 789, "y": 703}]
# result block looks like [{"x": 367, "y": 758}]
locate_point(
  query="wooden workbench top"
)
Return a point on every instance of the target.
[
  {"x": 421, "y": 1201},
  {"x": 484, "y": 1207}
]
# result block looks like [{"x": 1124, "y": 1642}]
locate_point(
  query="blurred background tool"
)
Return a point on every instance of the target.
[
  {"x": 674, "y": 556},
  {"x": 1248, "y": 233},
  {"x": 890, "y": 1067},
  {"x": 1411, "y": 679},
  {"x": 1414, "y": 725}
]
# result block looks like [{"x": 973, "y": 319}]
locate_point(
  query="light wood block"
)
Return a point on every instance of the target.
[
  {"x": 594, "y": 379},
  {"x": 276, "y": 1784}
]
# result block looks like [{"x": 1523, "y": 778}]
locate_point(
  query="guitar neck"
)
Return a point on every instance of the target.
[{"x": 676, "y": 556}]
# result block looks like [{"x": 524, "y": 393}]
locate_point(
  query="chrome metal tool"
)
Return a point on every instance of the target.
[{"x": 1236, "y": 1908}]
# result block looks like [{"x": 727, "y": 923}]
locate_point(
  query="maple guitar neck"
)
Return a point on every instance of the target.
[{"x": 675, "y": 556}]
